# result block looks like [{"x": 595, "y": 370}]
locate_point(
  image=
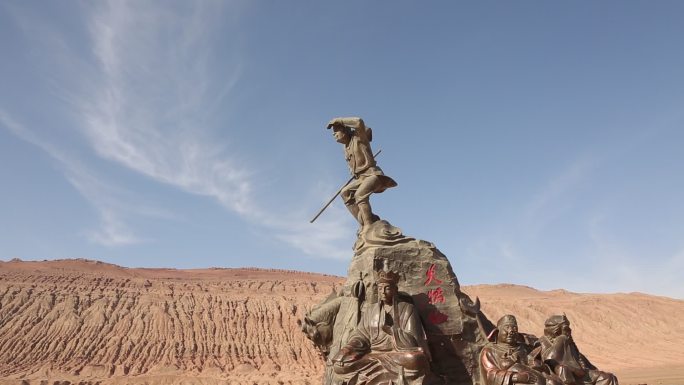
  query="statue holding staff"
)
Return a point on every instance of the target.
[{"x": 367, "y": 177}]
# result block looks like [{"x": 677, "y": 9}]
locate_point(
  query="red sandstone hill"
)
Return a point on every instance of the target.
[{"x": 79, "y": 321}]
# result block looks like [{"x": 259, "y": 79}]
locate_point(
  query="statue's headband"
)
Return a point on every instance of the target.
[
  {"x": 506, "y": 320},
  {"x": 336, "y": 122},
  {"x": 556, "y": 320}
]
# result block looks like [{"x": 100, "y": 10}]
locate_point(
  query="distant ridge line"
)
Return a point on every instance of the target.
[{"x": 213, "y": 268}]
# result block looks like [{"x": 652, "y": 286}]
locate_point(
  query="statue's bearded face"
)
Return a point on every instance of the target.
[
  {"x": 508, "y": 333},
  {"x": 386, "y": 292}
]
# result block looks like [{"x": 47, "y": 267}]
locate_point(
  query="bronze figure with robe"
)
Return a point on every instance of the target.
[
  {"x": 388, "y": 344},
  {"x": 560, "y": 352},
  {"x": 508, "y": 360}
]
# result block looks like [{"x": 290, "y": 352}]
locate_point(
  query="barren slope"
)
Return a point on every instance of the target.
[
  {"x": 85, "y": 321},
  {"x": 89, "y": 320}
]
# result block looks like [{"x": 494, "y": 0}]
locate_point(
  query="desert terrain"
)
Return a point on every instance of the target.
[{"x": 86, "y": 322}]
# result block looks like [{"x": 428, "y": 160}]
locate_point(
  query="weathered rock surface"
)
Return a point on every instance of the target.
[
  {"x": 75, "y": 321},
  {"x": 453, "y": 323}
]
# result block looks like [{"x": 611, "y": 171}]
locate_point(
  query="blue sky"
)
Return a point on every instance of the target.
[{"x": 536, "y": 143}]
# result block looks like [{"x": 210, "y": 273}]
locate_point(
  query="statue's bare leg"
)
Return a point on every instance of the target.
[
  {"x": 354, "y": 210},
  {"x": 365, "y": 213},
  {"x": 347, "y": 195},
  {"x": 362, "y": 196}
]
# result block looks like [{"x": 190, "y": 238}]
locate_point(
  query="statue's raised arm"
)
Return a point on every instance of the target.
[{"x": 356, "y": 124}]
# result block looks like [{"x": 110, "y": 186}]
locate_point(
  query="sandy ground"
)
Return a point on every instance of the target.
[{"x": 664, "y": 375}]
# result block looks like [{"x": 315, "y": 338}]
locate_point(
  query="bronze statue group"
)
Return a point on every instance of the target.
[
  {"x": 554, "y": 359},
  {"x": 386, "y": 343},
  {"x": 389, "y": 347}
]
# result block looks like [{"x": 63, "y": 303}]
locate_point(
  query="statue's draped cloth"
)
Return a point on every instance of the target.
[
  {"x": 394, "y": 345},
  {"x": 573, "y": 367}
]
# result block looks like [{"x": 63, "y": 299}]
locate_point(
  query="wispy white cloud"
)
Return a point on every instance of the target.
[
  {"x": 321, "y": 239},
  {"x": 147, "y": 103},
  {"x": 514, "y": 242},
  {"x": 614, "y": 266},
  {"x": 147, "y": 110},
  {"x": 125, "y": 123},
  {"x": 555, "y": 196},
  {"x": 113, "y": 230}
]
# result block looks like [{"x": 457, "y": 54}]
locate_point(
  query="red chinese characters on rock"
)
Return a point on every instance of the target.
[
  {"x": 430, "y": 274},
  {"x": 436, "y": 296}
]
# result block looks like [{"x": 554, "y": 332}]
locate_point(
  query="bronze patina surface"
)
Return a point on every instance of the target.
[
  {"x": 509, "y": 359},
  {"x": 389, "y": 342},
  {"x": 368, "y": 178},
  {"x": 560, "y": 352},
  {"x": 401, "y": 317}
]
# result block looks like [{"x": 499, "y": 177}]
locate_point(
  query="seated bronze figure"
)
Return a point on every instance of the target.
[
  {"x": 560, "y": 352},
  {"x": 508, "y": 360},
  {"x": 388, "y": 344}
]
